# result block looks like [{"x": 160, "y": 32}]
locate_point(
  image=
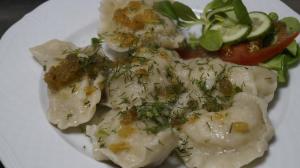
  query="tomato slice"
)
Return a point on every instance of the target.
[{"x": 241, "y": 54}]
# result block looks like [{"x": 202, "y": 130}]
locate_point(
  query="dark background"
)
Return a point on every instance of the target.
[{"x": 13, "y": 10}]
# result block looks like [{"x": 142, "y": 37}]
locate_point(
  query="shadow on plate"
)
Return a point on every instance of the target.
[{"x": 275, "y": 100}]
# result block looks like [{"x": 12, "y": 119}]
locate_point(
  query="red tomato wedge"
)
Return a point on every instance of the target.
[{"x": 241, "y": 54}]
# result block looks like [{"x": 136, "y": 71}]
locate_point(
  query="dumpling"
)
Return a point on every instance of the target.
[
  {"x": 254, "y": 80},
  {"x": 226, "y": 108},
  {"x": 230, "y": 138},
  {"x": 127, "y": 24},
  {"x": 127, "y": 144},
  {"x": 74, "y": 104},
  {"x": 266, "y": 82},
  {"x": 51, "y": 52},
  {"x": 144, "y": 77}
]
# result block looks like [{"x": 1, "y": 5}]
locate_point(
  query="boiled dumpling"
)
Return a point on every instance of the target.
[
  {"x": 52, "y": 52},
  {"x": 74, "y": 104},
  {"x": 127, "y": 24},
  {"x": 254, "y": 80},
  {"x": 127, "y": 144},
  {"x": 230, "y": 138},
  {"x": 266, "y": 82},
  {"x": 143, "y": 77}
]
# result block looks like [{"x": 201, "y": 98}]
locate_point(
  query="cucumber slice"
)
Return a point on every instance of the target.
[
  {"x": 232, "y": 33},
  {"x": 261, "y": 24}
]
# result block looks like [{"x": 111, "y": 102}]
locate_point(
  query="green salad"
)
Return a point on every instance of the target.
[{"x": 236, "y": 35}]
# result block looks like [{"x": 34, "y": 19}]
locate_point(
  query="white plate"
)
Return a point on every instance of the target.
[{"x": 27, "y": 140}]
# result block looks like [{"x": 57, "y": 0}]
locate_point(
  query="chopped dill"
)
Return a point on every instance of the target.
[
  {"x": 183, "y": 149},
  {"x": 97, "y": 42},
  {"x": 69, "y": 116},
  {"x": 87, "y": 103},
  {"x": 155, "y": 115}
]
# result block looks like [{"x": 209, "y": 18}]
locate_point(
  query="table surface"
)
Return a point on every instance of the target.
[{"x": 13, "y": 10}]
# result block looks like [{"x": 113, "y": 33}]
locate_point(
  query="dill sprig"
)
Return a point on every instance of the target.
[
  {"x": 183, "y": 149},
  {"x": 155, "y": 115}
]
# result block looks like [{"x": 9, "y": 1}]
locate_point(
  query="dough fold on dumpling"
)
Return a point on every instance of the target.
[
  {"x": 51, "y": 52},
  {"x": 230, "y": 138},
  {"x": 75, "y": 104},
  {"x": 129, "y": 145},
  {"x": 127, "y": 24}
]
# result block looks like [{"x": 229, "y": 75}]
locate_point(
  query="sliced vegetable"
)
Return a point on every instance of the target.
[
  {"x": 274, "y": 63},
  {"x": 293, "y": 24},
  {"x": 293, "y": 59},
  {"x": 261, "y": 24},
  {"x": 241, "y": 53},
  {"x": 274, "y": 16},
  {"x": 283, "y": 72},
  {"x": 232, "y": 33},
  {"x": 231, "y": 15}
]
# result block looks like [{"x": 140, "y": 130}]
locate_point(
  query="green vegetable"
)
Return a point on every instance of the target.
[
  {"x": 184, "y": 12},
  {"x": 97, "y": 42},
  {"x": 291, "y": 61},
  {"x": 241, "y": 12},
  {"x": 219, "y": 10},
  {"x": 261, "y": 25},
  {"x": 293, "y": 48},
  {"x": 180, "y": 12},
  {"x": 231, "y": 15},
  {"x": 283, "y": 72},
  {"x": 274, "y": 16},
  {"x": 232, "y": 33},
  {"x": 188, "y": 24},
  {"x": 193, "y": 41},
  {"x": 279, "y": 64},
  {"x": 293, "y": 58},
  {"x": 156, "y": 114},
  {"x": 274, "y": 63},
  {"x": 228, "y": 21},
  {"x": 166, "y": 9},
  {"x": 211, "y": 40},
  {"x": 293, "y": 24},
  {"x": 283, "y": 62},
  {"x": 216, "y": 4}
]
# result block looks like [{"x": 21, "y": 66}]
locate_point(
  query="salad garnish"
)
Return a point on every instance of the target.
[{"x": 238, "y": 36}]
